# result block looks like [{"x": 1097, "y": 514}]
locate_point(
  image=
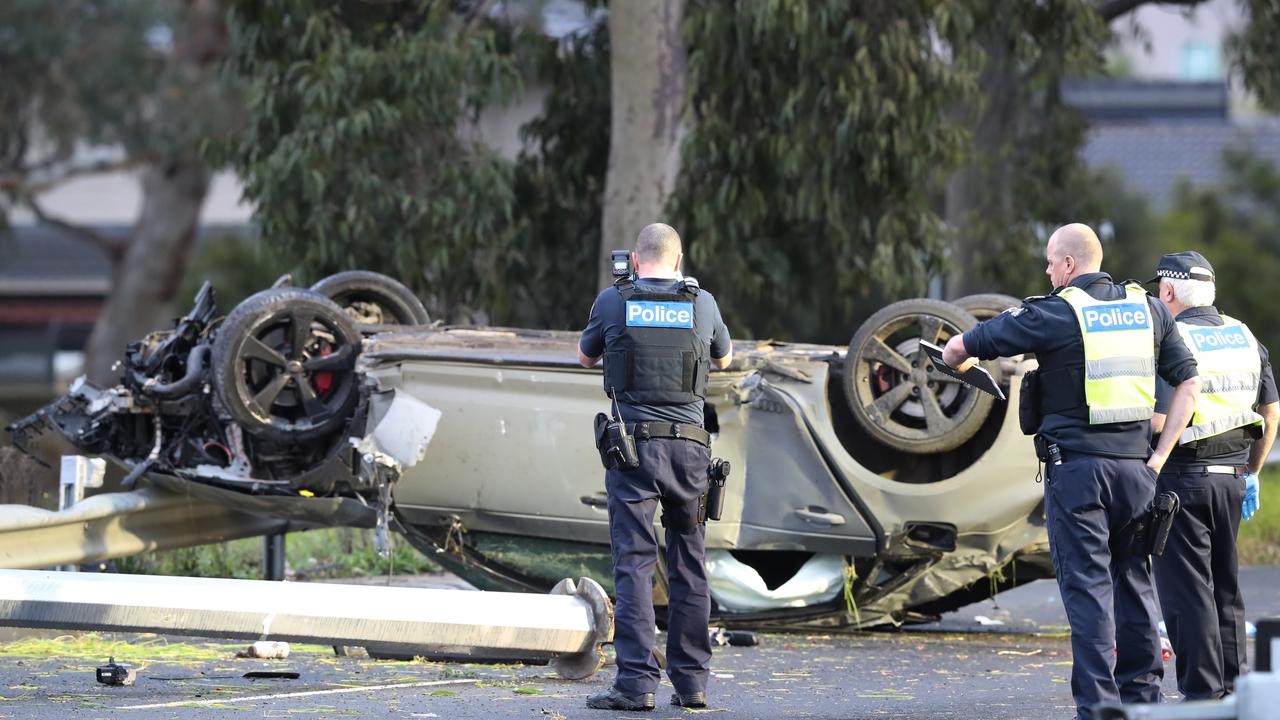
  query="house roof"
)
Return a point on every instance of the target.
[
  {"x": 46, "y": 260},
  {"x": 1151, "y": 158}
]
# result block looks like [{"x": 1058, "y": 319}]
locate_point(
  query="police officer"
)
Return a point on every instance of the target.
[
  {"x": 1217, "y": 457},
  {"x": 657, "y": 336},
  {"x": 1100, "y": 346}
]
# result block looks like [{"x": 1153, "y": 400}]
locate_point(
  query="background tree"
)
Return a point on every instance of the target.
[
  {"x": 647, "y": 72},
  {"x": 559, "y": 185},
  {"x": 1023, "y": 171},
  {"x": 137, "y": 80},
  {"x": 1237, "y": 227},
  {"x": 353, "y": 155},
  {"x": 1022, "y": 163},
  {"x": 819, "y": 133}
]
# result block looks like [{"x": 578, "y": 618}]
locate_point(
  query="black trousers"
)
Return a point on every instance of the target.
[
  {"x": 1106, "y": 591},
  {"x": 672, "y": 473},
  {"x": 1199, "y": 592}
]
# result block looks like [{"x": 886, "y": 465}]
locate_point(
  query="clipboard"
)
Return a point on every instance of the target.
[{"x": 976, "y": 376}]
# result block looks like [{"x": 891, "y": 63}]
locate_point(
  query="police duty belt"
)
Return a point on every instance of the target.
[{"x": 680, "y": 431}]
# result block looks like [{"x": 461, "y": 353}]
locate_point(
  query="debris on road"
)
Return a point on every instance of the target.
[
  {"x": 115, "y": 674},
  {"x": 272, "y": 675},
  {"x": 266, "y": 650}
]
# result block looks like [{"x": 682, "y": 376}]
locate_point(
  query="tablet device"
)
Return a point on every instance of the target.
[{"x": 976, "y": 376}]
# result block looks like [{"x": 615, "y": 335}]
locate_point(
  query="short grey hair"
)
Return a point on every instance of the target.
[
  {"x": 1192, "y": 293},
  {"x": 657, "y": 242}
]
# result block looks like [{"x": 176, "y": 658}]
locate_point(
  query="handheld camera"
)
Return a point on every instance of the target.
[{"x": 620, "y": 264}]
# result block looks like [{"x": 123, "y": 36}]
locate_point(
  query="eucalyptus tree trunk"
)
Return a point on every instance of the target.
[
  {"x": 146, "y": 275},
  {"x": 648, "y": 74},
  {"x": 146, "y": 278}
]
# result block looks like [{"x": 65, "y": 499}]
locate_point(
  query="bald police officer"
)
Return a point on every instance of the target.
[
  {"x": 1100, "y": 346},
  {"x": 1216, "y": 461},
  {"x": 657, "y": 336}
]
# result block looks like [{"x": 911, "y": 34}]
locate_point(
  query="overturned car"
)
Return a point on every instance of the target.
[{"x": 868, "y": 488}]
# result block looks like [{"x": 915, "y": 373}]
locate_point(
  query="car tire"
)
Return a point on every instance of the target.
[
  {"x": 280, "y": 383},
  {"x": 372, "y": 298},
  {"x": 895, "y": 394},
  {"x": 986, "y": 305}
]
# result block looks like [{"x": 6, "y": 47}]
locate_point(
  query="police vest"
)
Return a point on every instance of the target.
[
  {"x": 1230, "y": 368},
  {"x": 1119, "y": 354},
  {"x": 659, "y": 359}
]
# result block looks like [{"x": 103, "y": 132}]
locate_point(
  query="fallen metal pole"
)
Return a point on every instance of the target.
[{"x": 567, "y": 626}]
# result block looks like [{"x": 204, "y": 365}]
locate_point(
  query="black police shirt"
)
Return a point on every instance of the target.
[
  {"x": 1186, "y": 456},
  {"x": 608, "y": 321},
  {"x": 1046, "y": 325}
]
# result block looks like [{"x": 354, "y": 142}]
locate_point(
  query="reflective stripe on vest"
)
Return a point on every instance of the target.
[
  {"x": 1230, "y": 367},
  {"x": 1119, "y": 354}
]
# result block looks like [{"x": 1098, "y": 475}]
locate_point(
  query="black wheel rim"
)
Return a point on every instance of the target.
[
  {"x": 897, "y": 387},
  {"x": 295, "y": 369}
]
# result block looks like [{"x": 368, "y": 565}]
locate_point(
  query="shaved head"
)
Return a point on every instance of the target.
[
  {"x": 1073, "y": 250},
  {"x": 657, "y": 244}
]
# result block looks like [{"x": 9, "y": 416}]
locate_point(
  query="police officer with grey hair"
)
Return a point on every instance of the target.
[
  {"x": 1100, "y": 346},
  {"x": 657, "y": 335},
  {"x": 1214, "y": 472}
]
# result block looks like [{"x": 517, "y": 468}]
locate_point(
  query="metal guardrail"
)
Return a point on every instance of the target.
[{"x": 113, "y": 525}]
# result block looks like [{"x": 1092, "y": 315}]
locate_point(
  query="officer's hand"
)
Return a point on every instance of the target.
[
  {"x": 955, "y": 354},
  {"x": 1251, "y": 493},
  {"x": 1156, "y": 462}
]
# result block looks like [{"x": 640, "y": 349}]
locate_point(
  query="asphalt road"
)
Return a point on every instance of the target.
[{"x": 957, "y": 668}]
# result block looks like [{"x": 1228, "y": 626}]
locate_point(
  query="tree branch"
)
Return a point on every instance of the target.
[
  {"x": 1112, "y": 9},
  {"x": 478, "y": 13},
  {"x": 113, "y": 248},
  {"x": 19, "y": 183}
]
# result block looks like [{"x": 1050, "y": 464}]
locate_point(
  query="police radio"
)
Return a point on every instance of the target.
[
  {"x": 617, "y": 446},
  {"x": 620, "y": 264}
]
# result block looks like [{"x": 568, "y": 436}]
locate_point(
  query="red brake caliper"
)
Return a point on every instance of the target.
[{"x": 323, "y": 380}]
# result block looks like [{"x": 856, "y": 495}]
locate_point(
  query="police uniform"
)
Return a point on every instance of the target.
[
  {"x": 656, "y": 337},
  {"x": 1196, "y": 576},
  {"x": 1100, "y": 346}
]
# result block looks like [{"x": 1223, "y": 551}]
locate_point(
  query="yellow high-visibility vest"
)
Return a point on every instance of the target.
[
  {"x": 1230, "y": 368},
  {"x": 1119, "y": 354}
]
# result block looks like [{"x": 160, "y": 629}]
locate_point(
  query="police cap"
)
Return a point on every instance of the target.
[{"x": 1185, "y": 265}]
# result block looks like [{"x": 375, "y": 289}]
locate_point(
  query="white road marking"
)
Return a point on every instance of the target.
[{"x": 249, "y": 698}]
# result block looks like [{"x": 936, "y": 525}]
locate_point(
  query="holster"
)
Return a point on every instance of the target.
[
  {"x": 1029, "y": 414},
  {"x": 1041, "y": 447},
  {"x": 617, "y": 448},
  {"x": 710, "y": 503},
  {"x": 717, "y": 474},
  {"x": 1150, "y": 532}
]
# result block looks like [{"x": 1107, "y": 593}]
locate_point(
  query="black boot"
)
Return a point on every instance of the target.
[
  {"x": 611, "y": 699},
  {"x": 692, "y": 700}
]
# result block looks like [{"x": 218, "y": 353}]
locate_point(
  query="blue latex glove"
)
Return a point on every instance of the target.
[{"x": 1250, "y": 496}]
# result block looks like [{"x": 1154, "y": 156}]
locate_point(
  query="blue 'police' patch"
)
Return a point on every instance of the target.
[
  {"x": 648, "y": 313},
  {"x": 1121, "y": 316},
  {"x": 1219, "y": 338}
]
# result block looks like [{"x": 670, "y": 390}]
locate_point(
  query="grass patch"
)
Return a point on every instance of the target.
[
  {"x": 1259, "y": 539},
  {"x": 95, "y": 648},
  {"x": 331, "y": 552}
]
